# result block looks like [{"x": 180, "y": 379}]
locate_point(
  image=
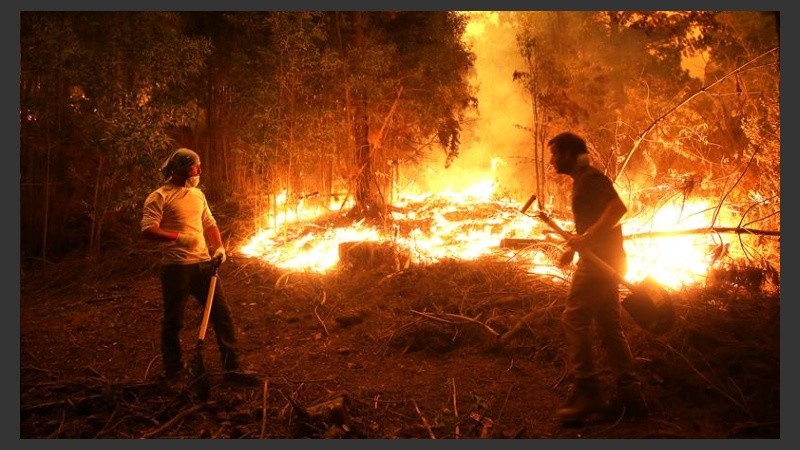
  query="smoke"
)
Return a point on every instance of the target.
[{"x": 493, "y": 144}]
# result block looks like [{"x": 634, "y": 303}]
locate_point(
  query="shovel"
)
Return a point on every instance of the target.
[
  {"x": 648, "y": 304},
  {"x": 197, "y": 369}
]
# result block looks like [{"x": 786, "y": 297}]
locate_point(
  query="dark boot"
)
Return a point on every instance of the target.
[
  {"x": 628, "y": 402},
  {"x": 584, "y": 400}
]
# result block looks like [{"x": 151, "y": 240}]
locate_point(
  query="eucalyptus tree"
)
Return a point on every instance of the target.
[
  {"x": 47, "y": 47},
  {"x": 610, "y": 76},
  {"x": 740, "y": 102},
  {"x": 719, "y": 133},
  {"x": 329, "y": 101},
  {"x": 116, "y": 80},
  {"x": 306, "y": 80},
  {"x": 674, "y": 103},
  {"x": 406, "y": 91}
]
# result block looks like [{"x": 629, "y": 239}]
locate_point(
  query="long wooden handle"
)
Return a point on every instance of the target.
[
  {"x": 590, "y": 255},
  {"x": 528, "y": 204},
  {"x": 207, "y": 311}
]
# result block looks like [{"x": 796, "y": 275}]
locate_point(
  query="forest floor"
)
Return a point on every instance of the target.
[{"x": 377, "y": 354}]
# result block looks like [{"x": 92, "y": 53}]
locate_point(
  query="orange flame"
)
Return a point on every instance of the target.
[{"x": 472, "y": 223}]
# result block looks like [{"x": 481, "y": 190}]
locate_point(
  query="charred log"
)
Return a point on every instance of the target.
[{"x": 737, "y": 230}]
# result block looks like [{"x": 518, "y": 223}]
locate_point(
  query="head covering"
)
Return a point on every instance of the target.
[{"x": 180, "y": 160}]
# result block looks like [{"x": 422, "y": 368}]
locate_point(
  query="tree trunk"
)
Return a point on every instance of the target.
[
  {"x": 364, "y": 195},
  {"x": 95, "y": 223},
  {"x": 46, "y": 200}
]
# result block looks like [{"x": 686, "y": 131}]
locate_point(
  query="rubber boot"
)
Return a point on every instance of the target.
[
  {"x": 584, "y": 400},
  {"x": 628, "y": 402}
]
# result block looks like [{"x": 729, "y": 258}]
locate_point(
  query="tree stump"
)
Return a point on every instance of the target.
[{"x": 362, "y": 255}]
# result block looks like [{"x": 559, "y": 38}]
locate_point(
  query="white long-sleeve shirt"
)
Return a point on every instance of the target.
[{"x": 181, "y": 209}]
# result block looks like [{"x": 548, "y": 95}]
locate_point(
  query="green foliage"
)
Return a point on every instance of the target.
[
  {"x": 118, "y": 79},
  {"x": 432, "y": 64}
]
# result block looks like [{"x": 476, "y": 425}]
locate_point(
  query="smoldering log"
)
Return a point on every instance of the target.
[
  {"x": 525, "y": 243},
  {"x": 736, "y": 230}
]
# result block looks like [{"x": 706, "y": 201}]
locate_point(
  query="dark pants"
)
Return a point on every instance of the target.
[
  {"x": 178, "y": 282},
  {"x": 594, "y": 298}
]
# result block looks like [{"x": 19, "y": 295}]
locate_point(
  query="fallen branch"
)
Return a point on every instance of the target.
[
  {"x": 455, "y": 409},
  {"x": 432, "y": 317},
  {"x": 170, "y": 422},
  {"x": 469, "y": 319},
  {"x": 322, "y": 302},
  {"x": 517, "y": 327},
  {"x": 713, "y": 385},
  {"x": 66, "y": 401},
  {"x": 460, "y": 318},
  {"x": 525, "y": 243},
  {"x": 424, "y": 421},
  {"x": 264, "y": 410},
  {"x": 737, "y": 230}
]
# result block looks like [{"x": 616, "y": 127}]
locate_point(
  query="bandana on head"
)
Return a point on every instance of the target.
[{"x": 179, "y": 161}]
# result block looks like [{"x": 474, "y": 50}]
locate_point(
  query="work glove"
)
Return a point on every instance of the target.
[
  {"x": 189, "y": 240},
  {"x": 220, "y": 251}
]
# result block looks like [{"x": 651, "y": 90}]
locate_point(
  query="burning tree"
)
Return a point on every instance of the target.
[
  {"x": 663, "y": 137},
  {"x": 305, "y": 113}
]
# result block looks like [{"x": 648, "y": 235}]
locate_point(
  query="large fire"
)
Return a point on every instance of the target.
[{"x": 473, "y": 223}]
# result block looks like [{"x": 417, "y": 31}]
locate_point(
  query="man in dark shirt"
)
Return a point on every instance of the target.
[{"x": 594, "y": 294}]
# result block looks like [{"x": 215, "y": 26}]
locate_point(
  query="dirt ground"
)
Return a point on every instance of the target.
[{"x": 372, "y": 353}]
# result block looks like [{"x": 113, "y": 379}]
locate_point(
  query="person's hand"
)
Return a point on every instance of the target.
[
  {"x": 188, "y": 240},
  {"x": 579, "y": 241},
  {"x": 220, "y": 252},
  {"x": 566, "y": 257}
]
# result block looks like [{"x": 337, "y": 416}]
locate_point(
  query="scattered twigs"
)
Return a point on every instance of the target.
[
  {"x": 264, "y": 409},
  {"x": 284, "y": 279},
  {"x": 713, "y": 385},
  {"x": 424, "y": 420},
  {"x": 63, "y": 401},
  {"x": 321, "y": 302},
  {"x": 703, "y": 89},
  {"x": 107, "y": 298},
  {"x": 455, "y": 409},
  {"x": 505, "y": 402},
  {"x": 433, "y": 317},
  {"x": 149, "y": 365},
  {"x": 725, "y": 195},
  {"x": 522, "y": 323},
  {"x": 60, "y": 425},
  {"x": 460, "y": 319},
  {"x": 475, "y": 321},
  {"x": 178, "y": 417},
  {"x": 113, "y": 413}
]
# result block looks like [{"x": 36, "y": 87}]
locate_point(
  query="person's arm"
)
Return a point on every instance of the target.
[
  {"x": 213, "y": 237},
  {"x": 214, "y": 240},
  {"x": 157, "y": 233},
  {"x": 152, "y": 215},
  {"x": 609, "y": 218}
]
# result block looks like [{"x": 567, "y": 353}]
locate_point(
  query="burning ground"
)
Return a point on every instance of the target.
[{"x": 391, "y": 341}]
